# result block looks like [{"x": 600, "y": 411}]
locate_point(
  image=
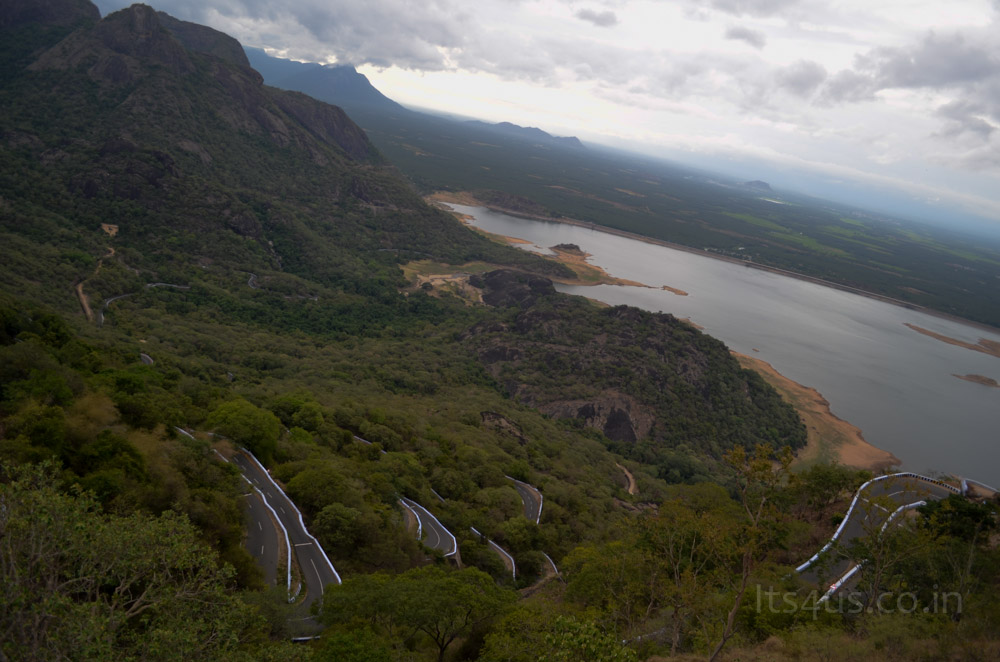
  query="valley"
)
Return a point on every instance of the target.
[{"x": 226, "y": 306}]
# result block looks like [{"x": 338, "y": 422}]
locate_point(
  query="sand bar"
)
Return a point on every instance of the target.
[
  {"x": 979, "y": 379},
  {"x": 985, "y": 346}
]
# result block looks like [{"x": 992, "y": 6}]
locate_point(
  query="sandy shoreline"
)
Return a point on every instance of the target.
[
  {"x": 465, "y": 198},
  {"x": 830, "y": 439}
]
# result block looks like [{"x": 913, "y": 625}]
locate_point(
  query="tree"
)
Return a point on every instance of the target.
[
  {"x": 440, "y": 604},
  {"x": 690, "y": 537},
  {"x": 758, "y": 483},
  {"x": 620, "y": 579},
  {"x": 248, "y": 424},
  {"x": 533, "y": 632},
  {"x": 573, "y": 640},
  {"x": 77, "y": 584}
]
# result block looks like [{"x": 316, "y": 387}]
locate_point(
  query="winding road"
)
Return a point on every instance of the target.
[
  {"x": 531, "y": 498},
  {"x": 429, "y": 530},
  {"x": 262, "y": 536},
  {"x": 315, "y": 567},
  {"x": 871, "y": 511}
]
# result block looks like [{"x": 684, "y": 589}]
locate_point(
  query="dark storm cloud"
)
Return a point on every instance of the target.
[
  {"x": 603, "y": 19},
  {"x": 752, "y": 37}
]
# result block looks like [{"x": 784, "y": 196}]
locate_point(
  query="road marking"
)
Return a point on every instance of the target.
[
  {"x": 318, "y": 580},
  {"x": 302, "y": 544},
  {"x": 282, "y": 510},
  {"x": 259, "y": 527},
  {"x": 262, "y": 550}
]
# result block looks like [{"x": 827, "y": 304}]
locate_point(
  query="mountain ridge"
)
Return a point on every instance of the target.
[
  {"x": 528, "y": 133},
  {"x": 341, "y": 85}
]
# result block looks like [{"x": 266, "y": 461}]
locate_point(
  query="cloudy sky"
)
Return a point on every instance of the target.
[{"x": 900, "y": 94}]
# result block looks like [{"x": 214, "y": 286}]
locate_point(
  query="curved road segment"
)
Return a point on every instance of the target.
[
  {"x": 531, "y": 498},
  {"x": 867, "y": 516},
  {"x": 317, "y": 571},
  {"x": 429, "y": 530},
  {"x": 262, "y": 536}
]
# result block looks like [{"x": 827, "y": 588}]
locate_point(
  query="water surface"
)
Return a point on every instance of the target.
[{"x": 892, "y": 382}]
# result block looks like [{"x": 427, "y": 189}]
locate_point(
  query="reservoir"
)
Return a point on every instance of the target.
[{"x": 896, "y": 385}]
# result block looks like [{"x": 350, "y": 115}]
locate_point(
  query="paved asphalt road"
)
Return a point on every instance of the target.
[
  {"x": 432, "y": 532},
  {"x": 531, "y": 498},
  {"x": 868, "y": 517},
  {"x": 262, "y": 537},
  {"x": 316, "y": 569}
]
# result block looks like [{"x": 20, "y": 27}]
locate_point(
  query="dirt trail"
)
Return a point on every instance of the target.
[
  {"x": 84, "y": 299},
  {"x": 632, "y": 489}
]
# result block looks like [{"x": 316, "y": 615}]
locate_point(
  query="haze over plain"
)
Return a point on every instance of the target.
[{"x": 893, "y": 105}]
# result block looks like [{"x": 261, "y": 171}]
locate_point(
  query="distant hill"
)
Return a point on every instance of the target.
[
  {"x": 340, "y": 85},
  {"x": 343, "y": 86},
  {"x": 530, "y": 133}
]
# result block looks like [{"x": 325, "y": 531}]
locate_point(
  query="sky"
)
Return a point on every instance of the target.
[{"x": 893, "y": 96}]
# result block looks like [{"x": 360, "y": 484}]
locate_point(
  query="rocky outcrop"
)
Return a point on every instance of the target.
[
  {"x": 620, "y": 417},
  {"x": 117, "y": 49},
  {"x": 205, "y": 40},
  {"x": 504, "y": 288},
  {"x": 500, "y": 423},
  {"x": 120, "y": 49}
]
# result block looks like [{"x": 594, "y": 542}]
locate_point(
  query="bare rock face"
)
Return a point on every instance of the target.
[
  {"x": 203, "y": 39},
  {"x": 119, "y": 46},
  {"x": 502, "y": 424},
  {"x": 620, "y": 417},
  {"x": 150, "y": 51},
  {"x": 329, "y": 123}
]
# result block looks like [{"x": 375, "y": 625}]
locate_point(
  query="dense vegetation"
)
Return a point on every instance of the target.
[{"x": 257, "y": 241}]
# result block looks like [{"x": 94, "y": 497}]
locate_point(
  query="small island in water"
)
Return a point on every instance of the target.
[{"x": 979, "y": 379}]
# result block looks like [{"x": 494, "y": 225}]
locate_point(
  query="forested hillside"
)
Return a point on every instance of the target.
[{"x": 185, "y": 249}]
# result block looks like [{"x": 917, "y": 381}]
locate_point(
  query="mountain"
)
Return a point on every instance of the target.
[
  {"x": 531, "y": 134},
  {"x": 161, "y": 128},
  {"x": 758, "y": 185},
  {"x": 192, "y": 262},
  {"x": 337, "y": 84},
  {"x": 344, "y": 86}
]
